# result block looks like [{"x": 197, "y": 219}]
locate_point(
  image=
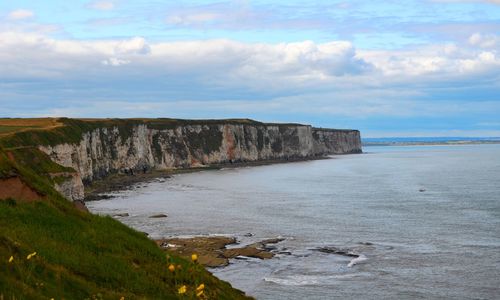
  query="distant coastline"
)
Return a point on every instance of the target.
[{"x": 428, "y": 141}]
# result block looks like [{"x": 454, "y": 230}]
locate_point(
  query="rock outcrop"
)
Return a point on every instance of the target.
[
  {"x": 212, "y": 251},
  {"x": 141, "y": 147}
]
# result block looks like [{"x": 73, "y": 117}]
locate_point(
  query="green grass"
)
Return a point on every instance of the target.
[
  {"x": 71, "y": 130},
  {"x": 80, "y": 255},
  {"x": 9, "y": 129}
]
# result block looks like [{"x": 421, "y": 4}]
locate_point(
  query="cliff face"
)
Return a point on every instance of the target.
[
  {"x": 333, "y": 141},
  {"x": 113, "y": 149}
]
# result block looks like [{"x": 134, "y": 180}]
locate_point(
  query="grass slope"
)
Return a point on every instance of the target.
[{"x": 80, "y": 255}]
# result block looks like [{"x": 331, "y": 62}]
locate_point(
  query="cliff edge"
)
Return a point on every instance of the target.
[{"x": 94, "y": 148}]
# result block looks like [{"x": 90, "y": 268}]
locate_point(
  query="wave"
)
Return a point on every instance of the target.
[
  {"x": 357, "y": 260},
  {"x": 299, "y": 280}
]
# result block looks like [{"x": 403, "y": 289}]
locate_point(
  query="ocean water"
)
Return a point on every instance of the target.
[{"x": 425, "y": 221}]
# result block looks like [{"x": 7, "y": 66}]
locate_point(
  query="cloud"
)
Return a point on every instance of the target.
[
  {"x": 227, "y": 78},
  {"x": 484, "y": 41},
  {"x": 257, "y": 65},
  {"x": 446, "y": 60},
  {"x": 242, "y": 15},
  {"x": 300, "y": 62},
  {"x": 101, "y": 5},
  {"x": 190, "y": 19},
  {"x": 20, "y": 14},
  {"x": 115, "y": 62}
]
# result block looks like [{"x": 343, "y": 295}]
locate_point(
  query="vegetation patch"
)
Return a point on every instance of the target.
[
  {"x": 209, "y": 140},
  {"x": 277, "y": 145},
  {"x": 49, "y": 253},
  {"x": 260, "y": 139},
  {"x": 157, "y": 149},
  {"x": 12, "y": 125}
]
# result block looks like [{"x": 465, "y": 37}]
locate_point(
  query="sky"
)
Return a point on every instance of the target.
[{"x": 387, "y": 68}]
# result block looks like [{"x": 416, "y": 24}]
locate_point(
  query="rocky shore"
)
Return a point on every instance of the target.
[{"x": 212, "y": 251}]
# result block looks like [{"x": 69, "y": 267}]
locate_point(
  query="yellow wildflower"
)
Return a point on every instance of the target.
[
  {"x": 30, "y": 255},
  {"x": 171, "y": 268},
  {"x": 11, "y": 259},
  {"x": 199, "y": 294},
  {"x": 122, "y": 298},
  {"x": 182, "y": 289},
  {"x": 200, "y": 287},
  {"x": 194, "y": 257}
]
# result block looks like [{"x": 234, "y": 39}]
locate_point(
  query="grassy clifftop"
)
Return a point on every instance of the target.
[
  {"x": 50, "y": 249},
  {"x": 49, "y": 131}
]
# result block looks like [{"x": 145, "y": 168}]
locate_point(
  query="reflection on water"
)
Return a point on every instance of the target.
[{"x": 426, "y": 221}]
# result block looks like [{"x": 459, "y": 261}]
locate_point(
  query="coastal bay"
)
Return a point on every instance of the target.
[{"x": 409, "y": 214}]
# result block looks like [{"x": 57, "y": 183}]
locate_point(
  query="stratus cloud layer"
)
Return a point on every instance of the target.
[
  {"x": 224, "y": 78},
  {"x": 30, "y": 55}
]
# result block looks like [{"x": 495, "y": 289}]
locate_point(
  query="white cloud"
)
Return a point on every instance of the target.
[
  {"x": 446, "y": 60},
  {"x": 115, "y": 62},
  {"x": 101, "y": 5},
  {"x": 484, "y": 41},
  {"x": 20, "y": 14},
  {"x": 256, "y": 65},
  {"x": 192, "y": 18},
  {"x": 333, "y": 78},
  {"x": 136, "y": 45}
]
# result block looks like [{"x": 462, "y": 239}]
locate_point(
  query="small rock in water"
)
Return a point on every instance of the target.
[
  {"x": 159, "y": 216},
  {"x": 335, "y": 250},
  {"x": 421, "y": 190},
  {"x": 121, "y": 215},
  {"x": 241, "y": 257},
  {"x": 366, "y": 243},
  {"x": 272, "y": 241},
  {"x": 248, "y": 234}
]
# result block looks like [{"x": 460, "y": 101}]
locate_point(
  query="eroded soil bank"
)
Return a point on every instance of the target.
[{"x": 15, "y": 188}]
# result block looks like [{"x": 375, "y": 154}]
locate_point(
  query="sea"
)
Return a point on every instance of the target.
[{"x": 422, "y": 221}]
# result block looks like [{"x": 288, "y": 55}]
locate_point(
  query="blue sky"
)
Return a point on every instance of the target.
[{"x": 388, "y": 68}]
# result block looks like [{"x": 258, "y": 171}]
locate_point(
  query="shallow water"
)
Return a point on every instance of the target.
[{"x": 426, "y": 220}]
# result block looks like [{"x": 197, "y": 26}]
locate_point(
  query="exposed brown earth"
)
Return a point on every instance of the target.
[
  {"x": 15, "y": 188},
  {"x": 80, "y": 205}
]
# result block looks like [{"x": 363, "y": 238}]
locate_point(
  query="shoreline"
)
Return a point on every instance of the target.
[{"x": 116, "y": 182}]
